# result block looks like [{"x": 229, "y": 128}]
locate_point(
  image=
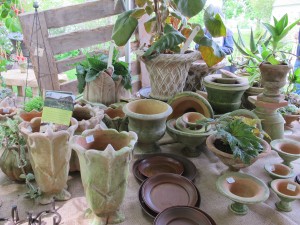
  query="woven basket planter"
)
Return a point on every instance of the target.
[{"x": 168, "y": 73}]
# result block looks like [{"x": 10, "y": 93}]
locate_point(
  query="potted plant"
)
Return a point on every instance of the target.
[
  {"x": 32, "y": 108},
  {"x": 236, "y": 141},
  {"x": 100, "y": 84},
  {"x": 290, "y": 114},
  {"x": 169, "y": 29},
  {"x": 276, "y": 64}
]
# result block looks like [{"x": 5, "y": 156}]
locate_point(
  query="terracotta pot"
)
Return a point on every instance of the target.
[
  {"x": 242, "y": 189},
  {"x": 104, "y": 162},
  {"x": 223, "y": 96},
  {"x": 115, "y": 118},
  {"x": 7, "y": 112},
  {"x": 273, "y": 78},
  {"x": 28, "y": 116},
  {"x": 191, "y": 141},
  {"x": 279, "y": 171},
  {"x": 289, "y": 119},
  {"x": 288, "y": 150},
  {"x": 228, "y": 159},
  {"x": 287, "y": 191},
  {"x": 168, "y": 73},
  {"x": 147, "y": 117},
  {"x": 49, "y": 155},
  {"x": 191, "y": 118}
]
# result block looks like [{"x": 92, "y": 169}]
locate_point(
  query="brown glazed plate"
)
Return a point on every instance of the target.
[
  {"x": 189, "y": 169},
  {"x": 165, "y": 190},
  {"x": 153, "y": 214},
  {"x": 182, "y": 215},
  {"x": 160, "y": 164}
]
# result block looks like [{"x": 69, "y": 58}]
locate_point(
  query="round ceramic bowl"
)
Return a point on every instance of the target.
[
  {"x": 242, "y": 189},
  {"x": 289, "y": 119},
  {"x": 287, "y": 191},
  {"x": 190, "y": 120},
  {"x": 278, "y": 171},
  {"x": 182, "y": 126},
  {"x": 288, "y": 150},
  {"x": 191, "y": 141}
]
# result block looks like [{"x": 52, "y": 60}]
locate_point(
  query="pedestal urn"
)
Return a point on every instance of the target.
[
  {"x": 104, "y": 157},
  {"x": 49, "y": 155}
]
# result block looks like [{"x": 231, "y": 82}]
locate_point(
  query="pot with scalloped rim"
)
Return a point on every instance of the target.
[
  {"x": 287, "y": 191},
  {"x": 278, "y": 171},
  {"x": 242, "y": 189},
  {"x": 288, "y": 150}
]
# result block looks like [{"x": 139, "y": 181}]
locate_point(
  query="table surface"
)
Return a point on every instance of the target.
[{"x": 209, "y": 169}]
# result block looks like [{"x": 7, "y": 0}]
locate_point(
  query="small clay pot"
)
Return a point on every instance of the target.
[
  {"x": 7, "y": 112},
  {"x": 287, "y": 191},
  {"x": 278, "y": 171},
  {"x": 115, "y": 118},
  {"x": 289, "y": 119},
  {"x": 288, "y": 150},
  {"x": 191, "y": 118},
  {"x": 28, "y": 116}
]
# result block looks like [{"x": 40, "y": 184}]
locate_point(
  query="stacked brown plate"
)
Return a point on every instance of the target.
[{"x": 163, "y": 163}]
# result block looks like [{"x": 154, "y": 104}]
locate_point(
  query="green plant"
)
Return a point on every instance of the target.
[
  {"x": 36, "y": 103},
  {"x": 169, "y": 27},
  {"x": 274, "y": 55},
  {"x": 289, "y": 110},
  {"x": 9, "y": 11},
  {"x": 89, "y": 69},
  {"x": 10, "y": 138},
  {"x": 239, "y": 133},
  {"x": 293, "y": 78}
]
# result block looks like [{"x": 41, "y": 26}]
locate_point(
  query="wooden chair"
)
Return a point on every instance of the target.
[{"x": 47, "y": 46}]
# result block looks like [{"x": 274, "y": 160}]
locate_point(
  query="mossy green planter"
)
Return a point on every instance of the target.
[{"x": 225, "y": 96}]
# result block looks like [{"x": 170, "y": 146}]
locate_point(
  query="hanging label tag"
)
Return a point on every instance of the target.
[
  {"x": 272, "y": 168},
  {"x": 29, "y": 128},
  {"x": 89, "y": 139},
  {"x": 291, "y": 187},
  {"x": 5, "y": 110},
  {"x": 230, "y": 180},
  {"x": 39, "y": 52}
]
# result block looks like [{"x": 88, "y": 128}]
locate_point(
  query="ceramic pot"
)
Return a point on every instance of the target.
[
  {"x": 168, "y": 73},
  {"x": 49, "y": 155},
  {"x": 287, "y": 191},
  {"x": 115, "y": 118},
  {"x": 7, "y": 112},
  {"x": 289, "y": 119},
  {"x": 87, "y": 118},
  {"x": 147, "y": 118},
  {"x": 229, "y": 160},
  {"x": 28, "y": 116},
  {"x": 225, "y": 96},
  {"x": 104, "y": 157},
  {"x": 288, "y": 150},
  {"x": 242, "y": 189},
  {"x": 192, "y": 141},
  {"x": 251, "y": 91},
  {"x": 191, "y": 118},
  {"x": 278, "y": 171},
  {"x": 273, "y": 78}
]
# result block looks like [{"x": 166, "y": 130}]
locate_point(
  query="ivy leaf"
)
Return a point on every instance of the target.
[
  {"x": 214, "y": 23},
  {"x": 190, "y": 8},
  {"x": 210, "y": 51},
  {"x": 169, "y": 40}
]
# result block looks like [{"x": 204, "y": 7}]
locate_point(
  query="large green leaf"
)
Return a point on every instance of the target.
[
  {"x": 281, "y": 24},
  {"x": 96, "y": 64},
  {"x": 253, "y": 46},
  {"x": 80, "y": 73},
  {"x": 210, "y": 51},
  {"x": 169, "y": 40},
  {"x": 190, "y": 8},
  {"x": 4, "y": 13},
  {"x": 124, "y": 27},
  {"x": 214, "y": 23},
  {"x": 150, "y": 25},
  {"x": 91, "y": 75}
]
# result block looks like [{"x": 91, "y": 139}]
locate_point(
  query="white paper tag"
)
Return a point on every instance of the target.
[
  {"x": 5, "y": 110},
  {"x": 230, "y": 180},
  {"x": 39, "y": 52},
  {"x": 291, "y": 187},
  {"x": 29, "y": 128},
  {"x": 89, "y": 139},
  {"x": 271, "y": 168}
]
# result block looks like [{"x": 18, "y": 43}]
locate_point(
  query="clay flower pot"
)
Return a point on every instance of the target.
[
  {"x": 104, "y": 157},
  {"x": 28, "y": 116},
  {"x": 223, "y": 95},
  {"x": 115, "y": 118},
  {"x": 288, "y": 150},
  {"x": 289, "y": 119},
  {"x": 191, "y": 118},
  {"x": 49, "y": 155},
  {"x": 287, "y": 191},
  {"x": 228, "y": 159},
  {"x": 191, "y": 141},
  {"x": 147, "y": 118},
  {"x": 278, "y": 171},
  {"x": 7, "y": 112},
  {"x": 273, "y": 78},
  {"x": 242, "y": 189}
]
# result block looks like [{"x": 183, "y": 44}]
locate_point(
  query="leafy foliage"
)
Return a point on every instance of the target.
[
  {"x": 89, "y": 69},
  {"x": 9, "y": 11},
  {"x": 289, "y": 110},
  {"x": 36, "y": 103}
]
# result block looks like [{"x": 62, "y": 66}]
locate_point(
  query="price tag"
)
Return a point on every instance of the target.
[
  {"x": 5, "y": 110},
  {"x": 230, "y": 180},
  {"x": 89, "y": 139},
  {"x": 29, "y": 128},
  {"x": 291, "y": 187},
  {"x": 39, "y": 52},
  {"x": 272, "y": 168}
]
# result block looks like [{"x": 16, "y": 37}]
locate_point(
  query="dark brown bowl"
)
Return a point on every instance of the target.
[
  {"x": 165, "y": 190},
  {"x": 160, "y": 164}
]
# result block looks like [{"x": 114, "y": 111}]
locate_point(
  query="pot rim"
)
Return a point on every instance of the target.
[
  {"x": 208, "y": 81},
  {"x": 268, "y": 165},
  {"x": 289, "y": 141},
  {"x": 274, "y": 182}
]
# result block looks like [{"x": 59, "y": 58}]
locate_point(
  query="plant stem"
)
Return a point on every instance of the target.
[{"x": 158, "y": 16}]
